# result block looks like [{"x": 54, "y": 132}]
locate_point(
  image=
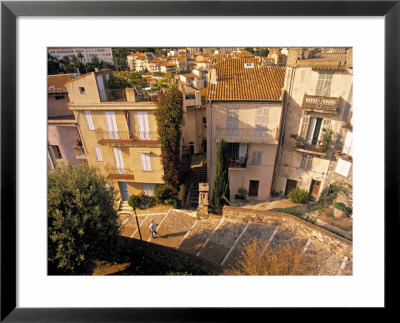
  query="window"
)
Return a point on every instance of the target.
[
  {"x": 204, "y": 121},
  {"x": 81, "y": 89},
  {"x": 324, "y": 83},
  {"x": 60, "y": 97},
  {"x": 56, "y": 151},
  {"x": 312, "y": 129},
  {"x": 190, "y": 96},
  {"x": 89, "y": 120},
  {"x": 232, "y": 121},
  {"x": 148, "y": 189},
  {"x": 248, "y": 65},
  {"x": 306, "y": 162},
  {"x": 145, "y": 159},
  {"x": 98, "y": 154},
  {"x": 262, "y": 121},
  {"x": 256, "y": 158}
]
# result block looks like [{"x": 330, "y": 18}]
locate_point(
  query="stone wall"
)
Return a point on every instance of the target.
[{"x": 305, "y": 229}]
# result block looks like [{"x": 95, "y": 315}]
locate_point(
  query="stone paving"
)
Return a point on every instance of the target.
[{"x": 220, "y": 240}]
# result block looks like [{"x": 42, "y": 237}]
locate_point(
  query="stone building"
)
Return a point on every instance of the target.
[
  {"x": 244, "y": 107},
  {"x": 119, "y": 133},
  {"x": 316, "y": 145}
]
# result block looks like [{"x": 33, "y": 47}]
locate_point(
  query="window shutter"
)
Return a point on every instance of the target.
[
  {"x": 343, "y": 167},
  {"x": 89, "y": 120},
  {"x": 232, "y": 121},
  {"x": 304, "y": 127},
  {"x": 348, "y": 144},
  {"x": 98, "y": 154},
  {"x": 111, "y": 124},
  {"x": 145, "y": 160}
]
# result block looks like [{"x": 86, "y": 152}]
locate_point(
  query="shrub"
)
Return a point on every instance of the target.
[
  {"x": 297, "y": 195},
  {"x": 163, "y": 193},
  {"x": 327, "y": 139},
  {"x": 341, "y": 207},
  {"x": 242, "y": 192},
  {"x": 174, "y": 202},
  {"x": 134, "y": 201},
  {"x": 152, "y": 201},
  {"x": 291, "y": 211}
]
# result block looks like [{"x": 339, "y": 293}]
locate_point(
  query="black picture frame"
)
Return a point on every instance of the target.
[{"x": 10, "y": 10}]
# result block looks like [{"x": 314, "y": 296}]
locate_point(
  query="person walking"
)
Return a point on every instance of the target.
[{"x": 153, "y": 226}]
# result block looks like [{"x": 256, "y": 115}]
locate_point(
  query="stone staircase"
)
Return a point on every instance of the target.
[
  {"x": 124, "y": 209},
  {"x": 200, "y": 176}
]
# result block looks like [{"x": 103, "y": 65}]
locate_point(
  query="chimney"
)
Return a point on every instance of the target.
[
  {"x": 213, "y": 76},
  {"x": 130, "y": 95}
]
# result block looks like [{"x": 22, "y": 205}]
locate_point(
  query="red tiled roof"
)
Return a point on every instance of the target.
[
  {"x": 237, "y": 83},
  {"x": 56, "y": 83}
]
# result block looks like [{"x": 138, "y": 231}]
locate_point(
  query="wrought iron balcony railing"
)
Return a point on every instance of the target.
[
  {"x": 256, "y": 135},
  {"x": 309, "y": 148},
  {"x": 119, "y": 173},
  {"x": 127, "y": 137},
  {"x": 238, "y": 162},
  {"x": 79, "y": 152},
  {"x": 322, "y": 104}
]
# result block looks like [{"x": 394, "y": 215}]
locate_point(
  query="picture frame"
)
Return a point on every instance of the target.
[{"x": 10, "y": 10}]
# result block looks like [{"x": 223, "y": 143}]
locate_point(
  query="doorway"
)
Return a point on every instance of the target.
[
  {"x": 290, "y": 184},
  {"x": 314, "y": 189},
  {"x": 253, "y": 188},
  {"x": 123, "y": 187}
]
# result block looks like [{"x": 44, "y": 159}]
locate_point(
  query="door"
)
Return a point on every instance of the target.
[
  {"x": 119, "y": 161},
  {"x": 290, "y": 184},
  {"x": 102, "y": 90},
  {"x": 316, "y": 131},
  {"x": 314, "y": 189},
  {"x": 144, "y": 129},
  {"x": 111, "y": 124},
  {"x": 123, "y": 187},
  {"x": 253, "y": 188}
]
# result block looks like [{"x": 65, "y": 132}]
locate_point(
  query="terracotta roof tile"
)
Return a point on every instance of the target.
[
  {"x": 237, "y": 83},
  {"x": 56, "y": 83}
]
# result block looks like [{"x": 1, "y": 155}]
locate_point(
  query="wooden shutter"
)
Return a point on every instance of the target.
[
  {"x": 324, "y": 83},
  {"x": 143, "y": 121},
  {"x": 98, "y": 154},
  {"x": 348, "y": 144},
  {"x": 111, "y": 124},
  {"x": 145, "y": 160},
  {"x": 304, "y": 127},
  {"x": 89, "y": 120},
  {"x": 119, "y": 161},
  {"x": 232, "y": 121}
]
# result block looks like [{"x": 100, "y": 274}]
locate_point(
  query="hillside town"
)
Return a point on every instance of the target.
[{"x": 213, "y": 156}]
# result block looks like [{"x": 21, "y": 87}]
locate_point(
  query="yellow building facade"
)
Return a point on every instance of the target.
[{"x": 118, "y": 133}]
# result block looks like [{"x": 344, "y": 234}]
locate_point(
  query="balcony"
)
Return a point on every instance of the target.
[
  {"x": 311, "y": 149},
  {"x": 249, "y": 135},
  {"x": 127, "y": 138},
  {"x": 119, "y": 173},
  {"x": 321, "y": 104},
  {"x": 238, "y": 162},
  {"x": 79, "y": 152}
]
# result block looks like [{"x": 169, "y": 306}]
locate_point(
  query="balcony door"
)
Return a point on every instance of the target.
[
  {"x": 232, "y": 121},
  {"x": 123, "y": 187},
  {"x": 119, "y": 161},
  {"x": 314, "y": 189},
  {"x": 111, "y": 122},
  {"x": 144, "y": 128}
]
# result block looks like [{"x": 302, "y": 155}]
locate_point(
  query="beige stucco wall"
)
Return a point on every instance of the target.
[{"x": 240, "y": 177}]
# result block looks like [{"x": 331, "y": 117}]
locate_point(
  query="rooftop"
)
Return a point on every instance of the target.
[
  {"x": 56, "y": 83},
  {"x": 235, "y": 82}
]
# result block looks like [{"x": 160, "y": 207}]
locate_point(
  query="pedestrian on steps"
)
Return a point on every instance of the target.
[{"x": 153, "y": 226}]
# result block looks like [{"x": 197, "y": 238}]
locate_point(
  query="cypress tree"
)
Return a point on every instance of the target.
[
  {"x": 221, "y": 193},
  {"x": 169, "y": 116}
]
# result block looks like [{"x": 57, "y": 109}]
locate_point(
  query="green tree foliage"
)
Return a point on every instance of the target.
[
  {"x": 82, "y": 224},
  {"x": 169, "y": 116},
  {"x": 297, "y": 195},
  {"x": 53, "y": 65},
  {"x": 221, "y": 192},
  {"x": 327, "y": 139},
  {"x": 120, "y": 58}
]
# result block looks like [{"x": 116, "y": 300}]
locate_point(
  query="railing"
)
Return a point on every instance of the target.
[
  {"x": 119, "y": 173},
  {"x": 79, "y": 151},
  {"x": 238, "y": 162},
  {"x": 127, "y": 137},
  {"x": 313, "y": 149},
  {"x": 248, "y": 134},
  {"x": 320, "y": 103},
  {"x": 114, "y": 95}
]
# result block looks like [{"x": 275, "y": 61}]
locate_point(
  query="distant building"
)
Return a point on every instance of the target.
[
  {"x": 104, "y": 54},
  {"x": 137, "y": 62},
  {"x": 244, "y": 107},
  {"x": 63, "y": 133}
]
